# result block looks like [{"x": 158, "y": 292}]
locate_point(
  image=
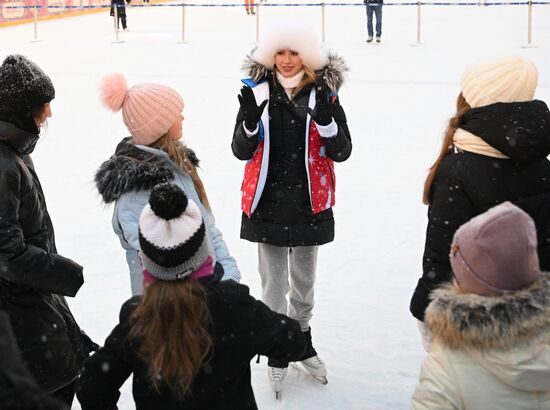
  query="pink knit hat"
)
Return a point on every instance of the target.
[
  {"x": 496, "y": 252},
  {"x": 148, "y": 110}
]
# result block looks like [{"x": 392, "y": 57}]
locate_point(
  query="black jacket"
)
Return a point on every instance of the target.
[
  {"x": 284, "y": 216},
  {"x": 468, "y": 184},
  {"x": 33, "y": 277},
  {"x": 121, "y": 7},
  {"x": 243, "y": 327},
  {"x": 18, "y": 390}
]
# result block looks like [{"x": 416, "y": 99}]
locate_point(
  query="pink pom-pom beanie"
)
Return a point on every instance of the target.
[
  {"x": 496, "y": 252},
  {"x": 148, "y": 110}
]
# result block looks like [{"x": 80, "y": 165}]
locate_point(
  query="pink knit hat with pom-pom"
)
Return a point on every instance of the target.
[{"x": 148, "y": 110}]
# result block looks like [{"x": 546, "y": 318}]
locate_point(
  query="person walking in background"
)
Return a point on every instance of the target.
[
  {"x": 153, "y": 154},
  {"x": 494, "y": 150},
  {"x": 190, "y": 338},
  {"x": 374, "y": 7},
  {"x": 250, "y": 5},
  {"x": 290, "y": 129},
  {"x": 491, "y": 326},
  {"x": 121, "y": 13},
  {"x": 34, "y": 278}
]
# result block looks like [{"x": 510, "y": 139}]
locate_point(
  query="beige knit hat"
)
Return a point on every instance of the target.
[
  {"x": 148, "y": 110},
  {"x": 508, "y": 80}
]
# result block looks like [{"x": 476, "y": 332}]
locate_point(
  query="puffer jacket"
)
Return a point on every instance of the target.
[
  {"x": 241, "y": 328},
  {"x": 127, "y": 179},
  {"x": 289, "y": 186},
  {"x": 467, "y": 184},
  {"x": 33, "y": 278},
  {"x": 489, "y": 353},
  {"x": 18, "y": 390}
]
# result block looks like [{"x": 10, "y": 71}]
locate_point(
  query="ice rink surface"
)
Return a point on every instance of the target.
[{"x": 397, "y": 97}]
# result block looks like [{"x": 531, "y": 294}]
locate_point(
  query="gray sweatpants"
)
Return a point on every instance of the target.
[{"x": 275, "y": 265}]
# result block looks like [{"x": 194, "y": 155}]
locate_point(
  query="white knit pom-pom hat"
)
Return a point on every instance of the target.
[
  {"x": 505, "y": 80},
  {"x": 294, "y": 35}
]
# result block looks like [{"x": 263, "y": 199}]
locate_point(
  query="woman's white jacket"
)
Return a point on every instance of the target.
[{"x": 489, "y": 353}]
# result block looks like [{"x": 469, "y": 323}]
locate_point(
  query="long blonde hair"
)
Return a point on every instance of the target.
[
  {"x": 461, "y": 108},
  {"x": 176, "y": 151},
  {"x": 172, "y": 325}
]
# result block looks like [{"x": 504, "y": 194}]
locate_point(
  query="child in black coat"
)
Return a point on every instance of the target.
[{"x": 190, "y": 338}]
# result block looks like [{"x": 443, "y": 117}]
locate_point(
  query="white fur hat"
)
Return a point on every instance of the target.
[
  {"x": 506, "y": 80},
  {"x": 294, "y": 35}
]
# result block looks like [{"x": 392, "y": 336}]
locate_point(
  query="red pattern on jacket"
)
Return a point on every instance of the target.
[{"x": 321, "y": 177}]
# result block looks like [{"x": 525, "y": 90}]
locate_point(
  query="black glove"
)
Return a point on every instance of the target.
[
  {"x": 322, "y": 113},
  {"x": 251, "y": 111}
]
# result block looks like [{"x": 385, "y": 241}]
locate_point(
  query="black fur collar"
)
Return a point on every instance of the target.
[
  {"x": 332, "y": 74},
  {"x": 464, "y": 320},
  {"x": 132, "y": 169}
]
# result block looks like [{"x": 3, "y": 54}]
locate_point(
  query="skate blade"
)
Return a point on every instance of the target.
[
  {"x": 321, "y": 379},
  {"x": 278, "y": 395}
]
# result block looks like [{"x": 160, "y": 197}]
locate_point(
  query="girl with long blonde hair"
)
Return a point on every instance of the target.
[{"x": 153, "y": 154}]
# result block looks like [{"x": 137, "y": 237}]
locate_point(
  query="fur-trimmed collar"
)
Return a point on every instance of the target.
[
  {"x": 133, "y": 169},
  {"x": 332, "y": 74},
  {"x": 465, "y": 320}
]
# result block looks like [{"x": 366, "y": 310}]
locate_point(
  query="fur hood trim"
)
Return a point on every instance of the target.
[
  {"x": 332, "y": 73},
  {"x": 132, "y": 169},
  {"x": 465, "y": 320}
]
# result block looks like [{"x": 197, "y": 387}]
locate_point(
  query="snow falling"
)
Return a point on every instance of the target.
[{"x": 397, "y": 100}]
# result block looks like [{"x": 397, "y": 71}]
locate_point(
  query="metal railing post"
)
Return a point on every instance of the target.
[
  {"x": 182, "y": 23},
  {"x": 115, "y": 14},
  {"x": 35, "y": 21},
  {"x": 323, "y": 21},
  {"x": 257, "y": 22},
  {"x": 529, "y": 21},
  {"x": 418, "y": 20}
]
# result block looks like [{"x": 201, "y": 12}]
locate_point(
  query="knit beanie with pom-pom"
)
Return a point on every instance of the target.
[
  {"x": 172, "y": 235},
  {"x": 148, "y": 110}
]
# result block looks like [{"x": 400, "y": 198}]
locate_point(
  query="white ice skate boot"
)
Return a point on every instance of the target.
[
  {"x": 276, "y": 376},
  {"x": 316, "y": 367},
  {"x": 312, "y": 362}
]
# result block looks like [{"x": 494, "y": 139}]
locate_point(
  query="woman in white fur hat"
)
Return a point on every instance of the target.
[
  {"x": 494, "y": 150},
  {"x": 290, "y": 129}
]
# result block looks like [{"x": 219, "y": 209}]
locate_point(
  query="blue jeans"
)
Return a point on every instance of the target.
[{"x": 377, "y": 9}]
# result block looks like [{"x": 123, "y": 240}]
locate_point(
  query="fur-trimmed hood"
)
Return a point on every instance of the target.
[
  {"x": 133, "y": 169},
  {"x": 465, "y": 320},
  {"x": 332, "y": 74}
]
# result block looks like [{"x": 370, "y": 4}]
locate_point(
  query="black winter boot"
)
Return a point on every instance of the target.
[
  {"x": 310, "y": 350},
  {"x": 312, "y": 362}
]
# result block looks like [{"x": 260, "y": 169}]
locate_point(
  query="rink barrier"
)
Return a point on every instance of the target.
[{"x": 260, "y": 4}]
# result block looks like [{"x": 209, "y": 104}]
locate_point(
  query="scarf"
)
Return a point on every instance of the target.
[{"x": 290, "y": 83}]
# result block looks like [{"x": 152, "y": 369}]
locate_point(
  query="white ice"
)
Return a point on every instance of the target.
[{"x": 398, "y": 98}]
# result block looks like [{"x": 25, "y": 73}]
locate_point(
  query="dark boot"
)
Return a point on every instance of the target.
[
  {"x": 310, "y": 350},
  {"x": 277, "y": 363}
]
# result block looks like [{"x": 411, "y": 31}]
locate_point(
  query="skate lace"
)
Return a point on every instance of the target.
[
  {"x": 315, "y": 361},
  {"x": 277, "y": 373}
]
